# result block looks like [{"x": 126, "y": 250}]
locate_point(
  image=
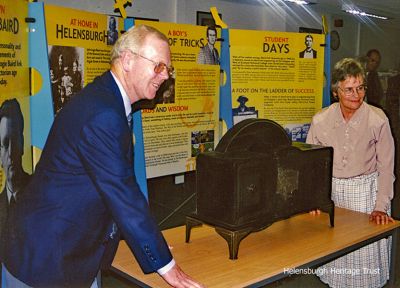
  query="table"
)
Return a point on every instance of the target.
[{"x": 298, "y": 242}]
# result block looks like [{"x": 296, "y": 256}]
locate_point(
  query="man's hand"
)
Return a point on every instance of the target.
[
  {"x": 380, "y": 217},
  {"x": 178, "y": 279}
]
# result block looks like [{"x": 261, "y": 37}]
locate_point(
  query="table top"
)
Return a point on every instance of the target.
[{"x": 285, "y": 244}]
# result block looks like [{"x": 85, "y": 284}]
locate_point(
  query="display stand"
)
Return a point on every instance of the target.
[
  {"x": 225, "y": 97},
  {"x": 41, "y": 108},
  {"x": 42, "y": 114},
  {"x": 326, "y": 100},
  {"x": 140, "y": 162},
  {"x": 226, "y": 88}
]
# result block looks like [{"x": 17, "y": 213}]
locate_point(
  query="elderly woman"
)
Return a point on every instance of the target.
[{"x": 363, "y": 177}]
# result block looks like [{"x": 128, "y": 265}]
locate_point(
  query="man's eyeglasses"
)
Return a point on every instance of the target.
[
  {"x": 348, "y": 91},
  {"x": 158, "y": 66}
]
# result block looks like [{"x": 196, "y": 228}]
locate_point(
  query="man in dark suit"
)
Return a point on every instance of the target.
[
  {"x": 374, "y": 94},
  {"x": 393, "y": 111},
  {"x": 84, "y": 194},
  {"x": 11, "y": 151},
  {"x": 208, "y": 54},
  {"x": 393, "y": 104},
  {"x": 308, "y": 52}
]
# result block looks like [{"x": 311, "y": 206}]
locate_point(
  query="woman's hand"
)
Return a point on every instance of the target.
[
  {"x": 380, "y": 217},
  {"x": 315, "y": 212}
]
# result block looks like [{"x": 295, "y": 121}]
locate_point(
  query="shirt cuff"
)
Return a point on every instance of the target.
[
  {"x": 382, "y": 207},
  {"x": 166, "y": 268}
]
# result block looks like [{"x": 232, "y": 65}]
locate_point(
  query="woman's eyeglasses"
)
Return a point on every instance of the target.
[
  {"x": 348, "y": 91},
  {"x": 158, "y": 66}
]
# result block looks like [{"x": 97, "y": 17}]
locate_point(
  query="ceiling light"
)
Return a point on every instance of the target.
[
  {"x": 359, "y": 12},
  {"x": 298, "y": 2}
]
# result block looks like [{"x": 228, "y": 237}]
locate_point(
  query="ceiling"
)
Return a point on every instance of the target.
[{"x": 389, "y": 8}]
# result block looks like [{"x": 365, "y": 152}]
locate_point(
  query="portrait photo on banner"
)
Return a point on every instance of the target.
[{"x": 66, "y": 73}]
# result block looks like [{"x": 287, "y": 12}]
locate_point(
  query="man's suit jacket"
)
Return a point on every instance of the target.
[
  {"x": 393, "y": 101},
  {"x": 3, "y": 219},
  {"x": 4, "y": 208},
  {"x": 301, "y": 54},
  {"x": 208, "y": 56},
  {"x": 62, "y": 231},
  {"x": 374, "y": 93},
  {"x": 393, "y": 91}
]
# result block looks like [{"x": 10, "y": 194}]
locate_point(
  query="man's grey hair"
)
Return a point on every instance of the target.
[{"x": 133, "y": 40}]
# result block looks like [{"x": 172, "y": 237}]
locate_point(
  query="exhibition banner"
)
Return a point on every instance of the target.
[
  {"x": 277, "y": 76},
  {"x": 184, "y": 122},
  {"x": 79, "y": 45},
  {"x": 15, "y": 136},
  {"x": 14, "y": 66}
]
